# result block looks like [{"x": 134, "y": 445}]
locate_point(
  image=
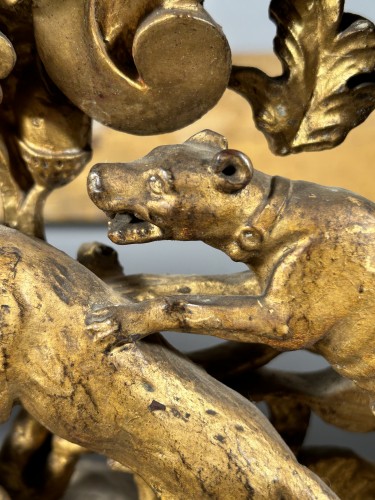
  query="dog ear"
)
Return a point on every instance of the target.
[{"x": 210, "y": 139}]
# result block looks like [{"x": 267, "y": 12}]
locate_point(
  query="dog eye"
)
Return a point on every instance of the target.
[
  {"x": 160, "y": 182},
  {"x": 229, "y": 170},
  {"x": 233, "y": 169},
  {"x": 156, "y": 184}
]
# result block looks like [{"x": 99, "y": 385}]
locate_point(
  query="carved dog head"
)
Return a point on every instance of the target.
[{"x": 199, "y": 190}]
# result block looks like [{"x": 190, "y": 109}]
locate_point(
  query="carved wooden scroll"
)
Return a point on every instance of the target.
[{"x": 144, "y": 67}]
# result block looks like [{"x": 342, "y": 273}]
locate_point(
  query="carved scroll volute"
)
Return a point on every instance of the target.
[{"x": 140, "y": 66}]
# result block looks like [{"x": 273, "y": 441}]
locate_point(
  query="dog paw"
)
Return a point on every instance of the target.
[{"x": 103, "y": 322}]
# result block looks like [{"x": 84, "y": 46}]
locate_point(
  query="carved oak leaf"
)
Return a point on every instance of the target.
[{"x": 328, "y": 81}]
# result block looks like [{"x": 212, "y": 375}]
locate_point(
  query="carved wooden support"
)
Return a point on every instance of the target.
[
  {"x": 350, "y": 476},
  {"x": 35, "y": 464}
]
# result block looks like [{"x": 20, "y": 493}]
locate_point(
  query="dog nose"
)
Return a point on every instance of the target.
[{"x": 94, "y": 183}]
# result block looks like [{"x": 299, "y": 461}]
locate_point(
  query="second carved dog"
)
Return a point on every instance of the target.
[{"x": 312, "y": 249}]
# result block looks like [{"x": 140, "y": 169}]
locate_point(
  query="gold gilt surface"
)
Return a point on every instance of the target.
[
  {"x": 71, "y": 348},
  {"x": 350, "y": 165}
]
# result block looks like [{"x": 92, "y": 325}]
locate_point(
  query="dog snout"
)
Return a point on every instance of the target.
[{"x": 95, "y": 184}]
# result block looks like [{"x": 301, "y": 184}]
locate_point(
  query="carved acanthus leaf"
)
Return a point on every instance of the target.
[{"x": 328, "y": 81}]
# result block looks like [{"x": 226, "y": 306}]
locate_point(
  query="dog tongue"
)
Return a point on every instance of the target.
[
  {"x": 119, "y": 222},
  {"x": 122, "y": 219}
]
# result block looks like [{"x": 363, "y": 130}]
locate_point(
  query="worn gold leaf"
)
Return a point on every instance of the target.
[
  {"x": 7, "y": 58},
  {"x": 328, "y": 81}
]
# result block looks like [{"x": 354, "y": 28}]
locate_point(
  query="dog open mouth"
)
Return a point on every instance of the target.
[{"x": 125, "y": 228}]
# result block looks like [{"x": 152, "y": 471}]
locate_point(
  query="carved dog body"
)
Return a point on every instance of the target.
[
  {"x": 132, "y": 404},
  {"x": 312, "y": 249}
]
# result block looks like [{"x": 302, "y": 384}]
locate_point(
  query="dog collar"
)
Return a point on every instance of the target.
[
  {"x": 277, "y": 198},
  {"x": 268, "y": 214}
]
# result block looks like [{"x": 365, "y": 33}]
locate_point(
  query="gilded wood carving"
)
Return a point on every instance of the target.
[
  {"x": 72, "y": 346},
  {"x": 303, "y": 109},
  {"x": 305, "y": 244},
  {"x": 129, "y": 53},
  {"x": 122, "y": 399}
]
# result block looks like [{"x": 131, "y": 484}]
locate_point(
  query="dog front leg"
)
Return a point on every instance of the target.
[
  {"x": 240, "y": 318},
  {"x": 244, "y": 319},
  {"x": 141, "y": 287}
]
